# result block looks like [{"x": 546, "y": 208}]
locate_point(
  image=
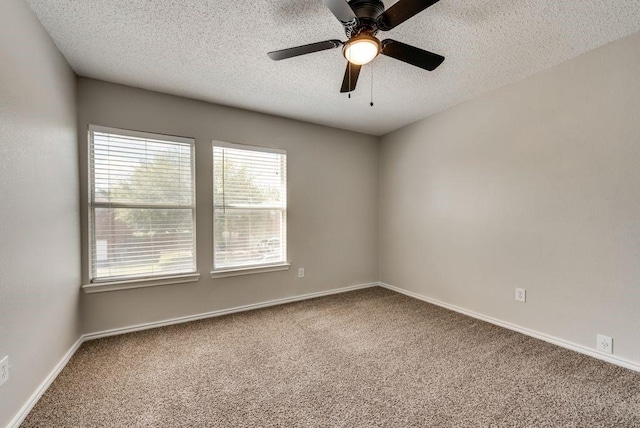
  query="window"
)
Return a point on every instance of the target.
[
  {"x": 249, "y": 206},
  {"x": 142, "y": 205}
]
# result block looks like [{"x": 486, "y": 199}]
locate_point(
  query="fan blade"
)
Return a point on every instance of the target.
[
  {"x": 305, "y": 49},
  {"x": 411, "y": 54},
  {"x": 401, "y": 11},
  {"x": 341, "y": 10},
  {"x": 350, "y": 77}
]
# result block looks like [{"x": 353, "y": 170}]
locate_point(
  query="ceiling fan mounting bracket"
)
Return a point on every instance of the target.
[{"x": 367, "y": 8}]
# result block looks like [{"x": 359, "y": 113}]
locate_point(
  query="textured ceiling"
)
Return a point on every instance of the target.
[{"x": 216, "y": 51}]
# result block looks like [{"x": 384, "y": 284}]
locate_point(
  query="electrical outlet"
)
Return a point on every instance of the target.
[
  {"x": 604, "y": 344},
  {"x": 521, "y": 295},
  {"x": 301, "y": 273},
  {"x": 4, "y": 370}
]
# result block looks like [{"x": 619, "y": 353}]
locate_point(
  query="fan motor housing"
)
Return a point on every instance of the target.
[{"x": 367, "y": 11}]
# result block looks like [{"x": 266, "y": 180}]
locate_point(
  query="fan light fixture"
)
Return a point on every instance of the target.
[
  {"x": 362, "y": 20},
  {"x": 361, "y": 50}
]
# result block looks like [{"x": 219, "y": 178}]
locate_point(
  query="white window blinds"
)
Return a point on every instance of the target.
[
  {"x": 250, "y": 206},
  {"x": 142, "y": 204}
]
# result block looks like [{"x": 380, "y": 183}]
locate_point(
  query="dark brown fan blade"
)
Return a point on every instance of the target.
[
  {"x": 341, "y": 10},
  {"x": 302, "y": 50},
  {"x": 350, "y": 77},
  {"x": 411, "y": 54},
  {"x": 401, "y": 11}
]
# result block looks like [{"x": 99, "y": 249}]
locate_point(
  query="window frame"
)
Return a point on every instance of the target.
[
  {"x": 255, "y": 268},
  {"x": 135, "y": 281}
]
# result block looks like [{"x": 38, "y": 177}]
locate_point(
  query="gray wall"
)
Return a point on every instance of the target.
[
  {"x": 535, "y": 185},
  {"x": 39, "y": 213},
  {"x": 332, "y": 230}
]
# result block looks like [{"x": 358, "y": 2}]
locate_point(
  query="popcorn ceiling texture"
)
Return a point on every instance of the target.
[
  {"x": 371, "y": 358},
  {"x": 216, "y": 51}
]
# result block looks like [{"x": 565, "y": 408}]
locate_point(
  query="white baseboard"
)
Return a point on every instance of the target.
[
  {"x": 218, "y": 313},
  {"x": 24, "y": 411},
  {"x": 547, "y": 338}
]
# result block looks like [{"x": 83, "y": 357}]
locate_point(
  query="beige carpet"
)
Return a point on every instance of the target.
[{"x": 370, "y": 358}]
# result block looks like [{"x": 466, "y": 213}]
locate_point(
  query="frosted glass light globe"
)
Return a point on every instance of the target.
[{"x": 361, "y": 49}]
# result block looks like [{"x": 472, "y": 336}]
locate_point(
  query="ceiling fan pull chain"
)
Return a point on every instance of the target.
[
  {"x": 349, "y": 68},
  {"x": 371, "y": 104}
]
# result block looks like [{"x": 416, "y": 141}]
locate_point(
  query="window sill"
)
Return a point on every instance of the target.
[
  {"x": 223, "y": 273},
  {"x": 101, "y": 287}
]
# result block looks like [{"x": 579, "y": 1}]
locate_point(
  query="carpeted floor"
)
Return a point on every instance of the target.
[{"x": 369, "y": 358}]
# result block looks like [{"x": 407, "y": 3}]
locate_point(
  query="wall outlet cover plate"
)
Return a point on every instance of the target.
[
  {"x": 521, "y": 294},
  {"x": 604, "y": 344}
]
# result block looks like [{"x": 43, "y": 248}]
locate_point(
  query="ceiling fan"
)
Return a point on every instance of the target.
[{"x": 362, "y": 19}]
